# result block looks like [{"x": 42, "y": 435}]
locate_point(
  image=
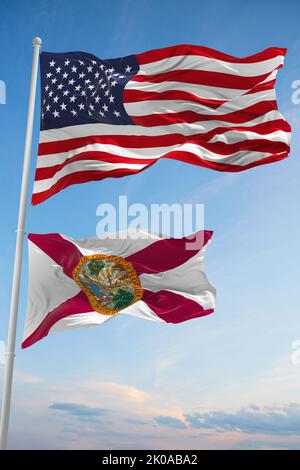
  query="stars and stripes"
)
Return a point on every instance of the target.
[{"x": 112, "y": 118}]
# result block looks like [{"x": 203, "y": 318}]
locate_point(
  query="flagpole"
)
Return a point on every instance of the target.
[{"x": 11, "y": 340}]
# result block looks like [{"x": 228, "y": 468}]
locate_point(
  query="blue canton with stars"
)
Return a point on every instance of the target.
[{"x": 79, "y": 88}]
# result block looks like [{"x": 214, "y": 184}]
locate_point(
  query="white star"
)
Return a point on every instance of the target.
[
  {"x": 101, "y": 113},
  {"x": 111, "y": 99},
  {"x": 94, "y": 62},
  {"x": 97, "y": 99},
  {"x": 81, "y": 62},
  {"x": 81, "y": 106},
  {"x": 89, "y": 68},
  {"x": 52, "y": 63},
  {"x": 97, "y": 75},
  {"x": 67, "y": 62},
  {"x": 102, "y": 67},
  {"x": 46, "y": 87},
  {"x": 55, "y": 99},
  {"x": 65, "y": 75},
  {"x": 48, "y": 75},
  {"x": 63, "y": 107},
  {"x": 103, "y": 86},
  {"x": 54, "y": 80},
  {"x": 111, "y": 70},
  {"x": 55, "y": 114},
  {"x": 48, "y": 107},
  {"x": 81, "y": 75},
  {"x": 105, "y": 108},
  {"x": 74, "y": 112},
  {"x": 83, "y": 93},
  {"x": 60, "y": 86},
  {"x": 116, "y": 113},
  {"x": 87, "y": 81},
  {"x": 91, "y": 107},
  {"x": 114, "y": 83},
  {"x": 72, "y": 99},
  {"x": 50, "y": 93},
  {"x": 71, "y": 82},
  {"x": 58, "y": 69},
  {"x": 106, "y": 93},
  {"x": 128, "y": 69},
  {"x": 66, "y": 92},
  {"x": 91, "y": 87},
  {"x": 121, "y": 76},
  {"x": 101, "y": 80},
  {"x": 74, "y": 69},
  {"x": 77, "y": 88}
]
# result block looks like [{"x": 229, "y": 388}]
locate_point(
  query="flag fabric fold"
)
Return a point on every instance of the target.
[
  {"x": 112, "y": 118},
  {"x": 74, "y": 283}
]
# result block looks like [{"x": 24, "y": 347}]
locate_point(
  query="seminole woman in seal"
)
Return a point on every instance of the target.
[{"x": 109, "y": 282}]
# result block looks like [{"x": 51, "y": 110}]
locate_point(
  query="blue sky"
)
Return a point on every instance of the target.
[{"x": 224, "y": 381}]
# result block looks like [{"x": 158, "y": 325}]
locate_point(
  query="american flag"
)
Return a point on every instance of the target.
[{"x": 112, "y": 118}]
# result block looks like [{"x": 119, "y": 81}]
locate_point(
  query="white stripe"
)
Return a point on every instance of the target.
[
  {"x": 143, "y": 108},
  {"x": 232, "y": 137},
  {"x": 45, "y": 161},
  {"x": 237, "y": 158},
  {"x": 229, "y": 137},
  {"x": 195, "y": 62},
  {"x": 146, "y": 108},
  {"x": 270, "y": 77},
  {"x": 202, "y": 91},
  {"x": 86, "y": 130},
  {"x": 83, "y": 165}
]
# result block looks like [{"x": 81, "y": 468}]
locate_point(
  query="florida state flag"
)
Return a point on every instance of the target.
[{"x": 75, "y": 283}]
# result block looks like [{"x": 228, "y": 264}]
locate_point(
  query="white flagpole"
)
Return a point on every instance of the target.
[{"x": 11, "y": 341}]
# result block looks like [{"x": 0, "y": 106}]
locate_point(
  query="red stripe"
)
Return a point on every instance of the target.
[
  {"x": 73, "y": 306},
  {"x": 141, "y": 141},
  {"x": 173, "y": 308},
  {"x": 188, "y": 157},
  {"x": 221, "y": 148},
  {"x": 133, "y": 96},
  {"x": 85, "y": 176},
  {"x": 240, "y": 116},
  {"x": 134, "y": 141},
  {"x": 188, "y": 49},
  {"x": 62, "y": 251},
  {"x": 81, "y": 177},
  {"x": 167, "y": 254},
  {"x": 262, "y": 87},
  {"x": 204, "y": 77},
  {"x": 50, "y": 171},
  {"x": 254, "y": 145},
  {"x": 262, "y": 128}
]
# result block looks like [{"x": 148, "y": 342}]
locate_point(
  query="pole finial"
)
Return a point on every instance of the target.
[{"x": 37, "y": 41}]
